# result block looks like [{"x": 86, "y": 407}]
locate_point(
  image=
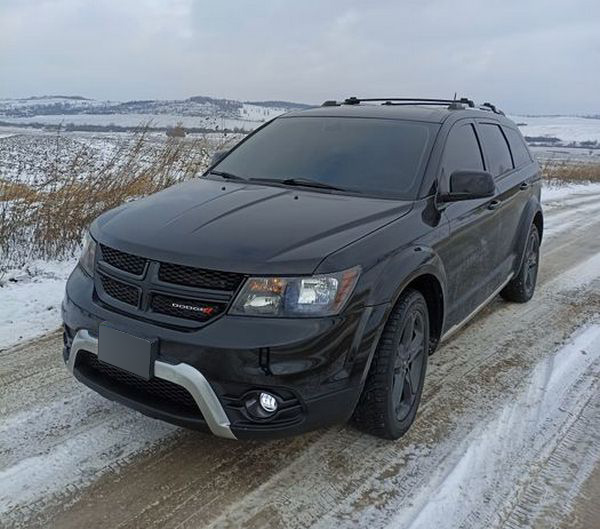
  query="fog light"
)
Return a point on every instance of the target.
[{"x": 268, "y": 402}]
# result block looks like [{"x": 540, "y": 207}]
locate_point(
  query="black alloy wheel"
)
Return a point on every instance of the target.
[
  {"x": 522, "y": 286},
  {"x": 390, "y": 398},
  {"x": 409, "y": 363}
]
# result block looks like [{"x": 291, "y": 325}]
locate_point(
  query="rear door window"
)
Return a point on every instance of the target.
[
  {"x": 496, "y": 148},
  {"x": 462, "y": 152},
  {"x": 517, "y": 146}
]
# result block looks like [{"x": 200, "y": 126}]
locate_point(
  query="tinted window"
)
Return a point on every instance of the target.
[
  {"x": 496, "y": 148},
  {"x": 517, "y": 147},
  {"x": 462, "y": 152},
  {"x": 372, "y": 156}
]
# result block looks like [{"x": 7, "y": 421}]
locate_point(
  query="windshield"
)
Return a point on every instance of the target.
[{"x": 381, "y": 157}]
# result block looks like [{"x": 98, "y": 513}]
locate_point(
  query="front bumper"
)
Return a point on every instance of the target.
[
  {"x": 180, "y": 374},
  {"x": 316, "y": 367}
]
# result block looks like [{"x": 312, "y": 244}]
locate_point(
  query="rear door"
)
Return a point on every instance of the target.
[
  {"x": 511, "y": 188},
  {"x": 469, "y": 253}
]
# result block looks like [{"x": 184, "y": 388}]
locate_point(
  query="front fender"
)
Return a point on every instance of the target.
[{"x": 403, "y": 268}]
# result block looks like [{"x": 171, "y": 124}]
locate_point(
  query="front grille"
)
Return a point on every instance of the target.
[
  {"x": 123, "y": 261},
  {"x": 198, "y": 277},
  {"x": 156, "y": 288},
  {"x": 156, "y": 391},
  {"x": 121, "y": 291}
]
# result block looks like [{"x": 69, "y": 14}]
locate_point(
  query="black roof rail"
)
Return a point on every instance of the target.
[
  {"x": 409, "y": 100},
  {"x": 453, "y": 104}
]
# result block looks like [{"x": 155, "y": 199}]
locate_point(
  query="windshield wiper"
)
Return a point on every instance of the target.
[
  {"x": 228, "y": 176},
  {"x": 300, "y": 182}
]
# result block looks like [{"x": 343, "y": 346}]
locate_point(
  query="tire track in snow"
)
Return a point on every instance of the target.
[
  {"x": 550, "y": 494},
  {"x": 492, "y": 459}
]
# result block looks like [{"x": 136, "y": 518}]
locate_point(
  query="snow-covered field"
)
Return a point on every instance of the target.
[
  {"x": 30, "y": 156},
  {"x": 565, "y": 128},
  {"x": 155, "y": 120},
  {"x": 202, "y": 112}
]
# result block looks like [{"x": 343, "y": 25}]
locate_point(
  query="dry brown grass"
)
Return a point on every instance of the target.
[
  {"x": 47, "y": 220},
  {"x": 571, "y": 173}
]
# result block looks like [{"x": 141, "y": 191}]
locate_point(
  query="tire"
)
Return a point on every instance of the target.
[
  {"x": 521, "y": 287},
  {"x": 392, "y": 391}
]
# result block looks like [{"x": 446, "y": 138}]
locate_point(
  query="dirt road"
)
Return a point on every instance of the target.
[{"x": 508, "y": 434}]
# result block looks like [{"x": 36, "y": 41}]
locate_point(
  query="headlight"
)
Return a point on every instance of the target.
[
  {"x": 320, "y": 295},
  {"x": 88, "y": 255}
]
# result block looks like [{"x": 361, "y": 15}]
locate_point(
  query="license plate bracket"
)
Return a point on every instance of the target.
[{"x": 126, "y": 351}]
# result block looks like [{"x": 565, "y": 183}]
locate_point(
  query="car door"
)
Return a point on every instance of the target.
[
  {"x": 510, "y": 200},
  {"x": 469, "y": 253}
]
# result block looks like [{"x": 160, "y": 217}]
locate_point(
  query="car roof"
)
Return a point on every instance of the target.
[{"x": 416, "y": 112}]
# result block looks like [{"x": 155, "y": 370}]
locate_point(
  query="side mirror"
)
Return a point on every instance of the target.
[
  {"x": 218, "y": 156},
  {"x": 469, "y": 185}
]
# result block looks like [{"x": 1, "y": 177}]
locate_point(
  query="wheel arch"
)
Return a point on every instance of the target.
[
  {"x": 429, "y": 278},
  {"x": 429, "y": 286},
  {"x": 532, "y": 215}
]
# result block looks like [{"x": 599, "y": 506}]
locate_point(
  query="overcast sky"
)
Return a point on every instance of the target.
[{"x": 538, "y": 56}]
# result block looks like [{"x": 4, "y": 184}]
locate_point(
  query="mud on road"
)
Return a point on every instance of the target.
[{"x": 507, "y": 436}]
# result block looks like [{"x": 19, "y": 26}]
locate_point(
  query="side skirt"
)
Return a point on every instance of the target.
[{"x": 460, "y": 325}]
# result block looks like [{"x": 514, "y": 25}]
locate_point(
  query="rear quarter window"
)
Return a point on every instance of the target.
[
  {"x": 518, "y": 147},
  {"x": 496, "y": 148}
]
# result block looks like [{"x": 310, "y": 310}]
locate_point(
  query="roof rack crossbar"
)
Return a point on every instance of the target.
[{"x": 453, "y": 106}]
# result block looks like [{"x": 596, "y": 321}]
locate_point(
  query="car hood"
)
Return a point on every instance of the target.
[{"x": 248, "y": 228}]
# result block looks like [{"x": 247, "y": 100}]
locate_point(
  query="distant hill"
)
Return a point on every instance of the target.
[
  {"x": 278, "y": 104},
  {"x": 197, "y": 113},
  {"x": 198, "y": 106}
]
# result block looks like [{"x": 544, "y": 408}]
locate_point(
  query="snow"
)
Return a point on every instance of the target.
[
  {"x": 565, "y": 128},
  {"x": 31, "y": 299},
  {"x": 81, "y": 458},
  {"x": 194, "y": 112},
  {"x": 558, "y": 192},
  {"x": 137, "y": 120}
]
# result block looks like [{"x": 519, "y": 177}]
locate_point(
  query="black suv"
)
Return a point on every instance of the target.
[{"x": 307, "y": 276}]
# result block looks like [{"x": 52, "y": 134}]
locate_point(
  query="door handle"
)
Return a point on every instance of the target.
[
  {"x": 494, "y": 204},
  {"x": 524, "y": 185}
]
